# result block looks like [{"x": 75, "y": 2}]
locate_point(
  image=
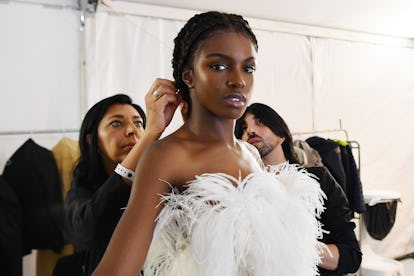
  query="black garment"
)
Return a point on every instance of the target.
[
  {"x": 11, "y": 238},
  {"x": 33, "y": 175},
  {"x": 337, "y": 220},
  {"x": 92, "y": 215},
  {"x": 331, "y": 157},
  {"x": 380, "y": 218},
  {"x": 71, "y": 265},
  {"x": 353, "y": 181}
]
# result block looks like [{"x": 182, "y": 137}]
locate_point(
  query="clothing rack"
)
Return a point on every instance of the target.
[
  {"x": 48, "y": 131},
  {"x": 335, "y": 130},
  {"x": 323, "y": 131},
  {"x": 354, "y": 145}
]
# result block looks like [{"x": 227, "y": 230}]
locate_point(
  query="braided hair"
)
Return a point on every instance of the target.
[{"x": 195, "y": 31}]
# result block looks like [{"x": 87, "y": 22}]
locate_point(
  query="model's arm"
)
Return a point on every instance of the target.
[
  {"x": 130, "y": 242},
  {"x": 159, "y": 111}
]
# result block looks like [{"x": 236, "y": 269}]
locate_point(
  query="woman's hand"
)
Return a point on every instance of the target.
[{"x": 161, "y": 101}]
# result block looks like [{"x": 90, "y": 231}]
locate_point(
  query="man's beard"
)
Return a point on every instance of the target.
[{"x": 265, "y": 149}]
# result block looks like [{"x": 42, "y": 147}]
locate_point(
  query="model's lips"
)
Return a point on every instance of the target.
[{"x": 236, "y": 99}]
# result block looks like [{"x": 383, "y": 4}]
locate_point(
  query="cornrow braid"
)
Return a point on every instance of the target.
[{"x": 196, "y": 30}]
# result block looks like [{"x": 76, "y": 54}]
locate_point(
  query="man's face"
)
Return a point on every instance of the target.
[{"x": 259, "y": 135}]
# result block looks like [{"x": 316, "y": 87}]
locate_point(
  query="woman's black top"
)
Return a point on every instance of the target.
[{"x": 91, "y": 217}]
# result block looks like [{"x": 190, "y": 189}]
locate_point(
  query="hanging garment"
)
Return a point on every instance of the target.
[
  {"x": 380, "y": 218},
  {"x": 313, "y": 159},
  {"x": 66, "y": 153},
  {"x": 354, "y": 191},
  {"x": 11, "y": 240},
  {"x": 331, "y": 157},
  {"x": 301, "y": 155},
  {"x": 33, "y": 175}
]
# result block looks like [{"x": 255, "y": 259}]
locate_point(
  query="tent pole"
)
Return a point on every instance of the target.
[{"x": 83, "y": 6}]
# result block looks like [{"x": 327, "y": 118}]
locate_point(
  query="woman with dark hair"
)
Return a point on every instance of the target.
[
  {"x": 113, "y": 135},
  {"x": 201, "y": 203}
]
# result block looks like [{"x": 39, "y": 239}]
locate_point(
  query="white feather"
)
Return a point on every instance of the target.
[{"x": 221, "y": 225}]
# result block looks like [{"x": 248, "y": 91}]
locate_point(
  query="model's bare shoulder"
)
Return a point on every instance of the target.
[{"x": 166, "y": 159}]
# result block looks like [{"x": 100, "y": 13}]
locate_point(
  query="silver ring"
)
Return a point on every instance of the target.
[{"x": 156, "y": 94}]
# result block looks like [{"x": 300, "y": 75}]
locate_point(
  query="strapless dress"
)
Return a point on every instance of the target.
[{"x": 264, "y": 224}]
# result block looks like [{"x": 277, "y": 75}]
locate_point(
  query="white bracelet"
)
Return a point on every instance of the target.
[{"x": 124, "y": 172}]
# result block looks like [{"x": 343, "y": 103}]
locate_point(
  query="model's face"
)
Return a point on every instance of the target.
[
  {"x": 118, "y": 131},
  {"x": 223, "y": 74},
  {"x": 259, "y": 135}
]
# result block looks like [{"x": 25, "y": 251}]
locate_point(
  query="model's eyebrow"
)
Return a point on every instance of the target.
[
  {"x": 213, "y": 55},
  {"x": 250, "y": 59}
]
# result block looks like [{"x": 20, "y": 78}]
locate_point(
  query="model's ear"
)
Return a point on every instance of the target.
[{"x": 188, "y": 78}]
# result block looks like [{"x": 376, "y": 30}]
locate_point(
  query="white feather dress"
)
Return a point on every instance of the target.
[{"x": 264, "y": 224}]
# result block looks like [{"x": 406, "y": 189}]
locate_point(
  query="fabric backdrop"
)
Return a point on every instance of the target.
[{"x": 316, "y": 84}]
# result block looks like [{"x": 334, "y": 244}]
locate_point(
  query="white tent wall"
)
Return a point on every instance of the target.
[
  {"x": 284, "y": 77},
  {"x": 312, "y": 82},
  {"x": 39, "y": 74},
  {"x": 134, "y": 50},
  {"x": 310, "y": 79},
  {"x": 39, "y": 77},
  {"x": 371, "y": 89}
]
